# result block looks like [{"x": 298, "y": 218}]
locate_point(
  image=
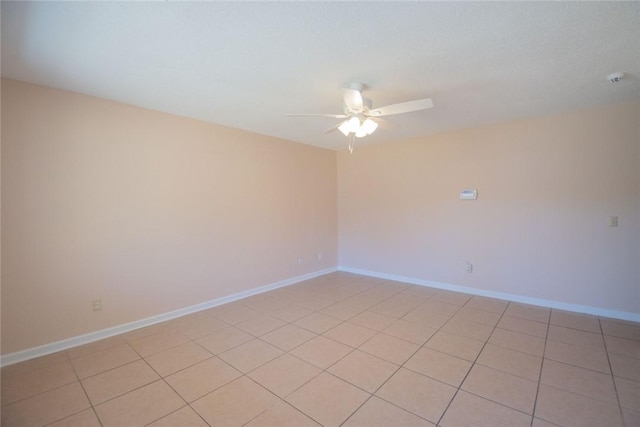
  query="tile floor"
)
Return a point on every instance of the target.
[{"x": 343, "y": 350}]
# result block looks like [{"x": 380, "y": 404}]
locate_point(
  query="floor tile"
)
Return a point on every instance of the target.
[
  {"x": 115, "y": 382},
  {"x": 588, "y": 358},
  {"x": 426, "y": 317},
  {"x": 202, "y": 378},
  {"x": 393, "y": 308},
  {"x": 248, "y": 356},
  {"x": 344, "y": 310},
  {"x": 473, "y": 330},
  {"x": 621, "y": 329},
  {"x": 389, "y": 348},
  {"x": 439, "y": 307},
  {"x": 139, "y": 407},
  {"x": 450, "y": 297},
  {"x": 418, "y": 394},
  {"x": 470, "y": 410},
  {"x": 321, "y": 352},
  {"x": 537, "y": 422},
  {"x": 288, "y": 337},
  {"x": 282, "y": 415},
  {"x": 147, "y": 331},
  {"x": 104, "y": 360},
  {"x": 86, "y": 418},
  {"x": 517, "y": 341},
  {"x": 235, "y": 315},
  {"x": 45, "y": 408},
  {"x": 156, "y": 343},
  {"x": 372, "y": 320},
  {"x": 528, "y": 312},
  {"x": 582, "y": 322},
  {"x": 33, "y": 364},
  {"x": 267, "y": 302},
  {"x": 363, "y": 370},
  {"x": 586, "y": 382},
  {"x": 30, "y": 383},
  {"x": 224, "y": 339},
  {"x": 487, "y": 304},
  {"x": 291, "y": 313},
  {"x": 510, "y": 361},
  {"x": 184, "y": 417},
  {"x": 413, "y": 347},
  {"x": 622, "y": 346},
  {"x": 523, "y": 326},
  {"x": 318, "y": 322},
  {"x": 575, "y": 337},
  {"x": 625, "y": 367},
  {"x": 260, "y": 325},
  {"x": 169, "y": 361},
  {"x": 455, "y": 345},
  {"x": 198, "y": 328},
  {"x": 84, "y": 350},
  {"x": 421, "y": 292},
  {"x": 315, "y": 303},
  {"x": 378, "y": 413},
  {"x": 234, "y": 404},
  {"x": 440, "y": 366},
  {"x": 284, "y": 374},
  {"x": 350, "y": 334},
  {"x": 631, "y": 417},
  {"x": 327, "y": 399},
  {"x": 508, "y": 390},
  {"x": 410, "y": 331},
  {"x": 628, "y": 393},
  {"x": 478, "y": 316},
  {"x": 569, "y": 409}
]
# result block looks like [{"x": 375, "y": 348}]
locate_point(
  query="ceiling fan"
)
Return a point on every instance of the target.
[{"x": 360, "y": 119}]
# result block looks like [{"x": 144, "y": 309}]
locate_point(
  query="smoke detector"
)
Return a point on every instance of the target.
[{"x": 615, "y": 77}]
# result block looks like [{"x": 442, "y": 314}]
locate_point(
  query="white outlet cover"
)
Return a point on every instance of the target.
[{"x": 468, "y": 194}]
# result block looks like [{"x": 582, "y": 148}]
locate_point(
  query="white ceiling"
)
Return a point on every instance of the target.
[{"x": 247, "y": 64}]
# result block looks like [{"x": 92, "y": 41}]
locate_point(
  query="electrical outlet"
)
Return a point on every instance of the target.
[
  {"x": 96, "y": 305},
  {"x": 319, "y": 257},
  {"x": 299, "y": 261},
  {"x": 469, "y": 267},
  {"x": 613, "y": 221}
]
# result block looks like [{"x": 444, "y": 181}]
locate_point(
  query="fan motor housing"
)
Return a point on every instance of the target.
[{"x": 366, "y": 106}]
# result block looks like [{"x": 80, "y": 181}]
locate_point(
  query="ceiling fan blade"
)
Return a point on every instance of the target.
[
  {"x": 334, "y": 116},
  {"x": 332, "y": 128},
  {"x": 403, "y": 107},
  {"x": 384, "y": 124},
  {"x": 352, "y": 99}
]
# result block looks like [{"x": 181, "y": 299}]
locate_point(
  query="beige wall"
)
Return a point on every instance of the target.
[
  {"x": 149, "y": 212},
  {"x": 540, "y": 227}
]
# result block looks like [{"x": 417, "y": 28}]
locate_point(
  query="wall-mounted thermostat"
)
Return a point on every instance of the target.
[{"x": 468, "y": 194}]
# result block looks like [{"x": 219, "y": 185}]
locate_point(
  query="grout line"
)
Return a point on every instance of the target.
[
  {"x": 613, "y": 378},
  {"x": 401, "y": 366},
  {"x": 84, "y": 390},
  {"x": 544, "y": 351},
  {"x": 471, "y": 368}
]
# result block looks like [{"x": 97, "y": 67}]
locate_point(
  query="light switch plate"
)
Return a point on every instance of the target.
[{"x": 468, "y": 194}]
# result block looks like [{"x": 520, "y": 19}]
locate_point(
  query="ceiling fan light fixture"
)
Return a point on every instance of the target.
[
  {"x": 361, "y": 132},
  {"x": 345, "y": 128},
  {"x": 369, "y": 126},
  {"x": 354, "y": 124},
  {"x": 360, "y": 120}
]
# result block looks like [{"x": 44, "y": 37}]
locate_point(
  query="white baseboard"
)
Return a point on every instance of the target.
[
  {"x": 54, "y": 347},
  {"x": 603, "y": 312}
]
